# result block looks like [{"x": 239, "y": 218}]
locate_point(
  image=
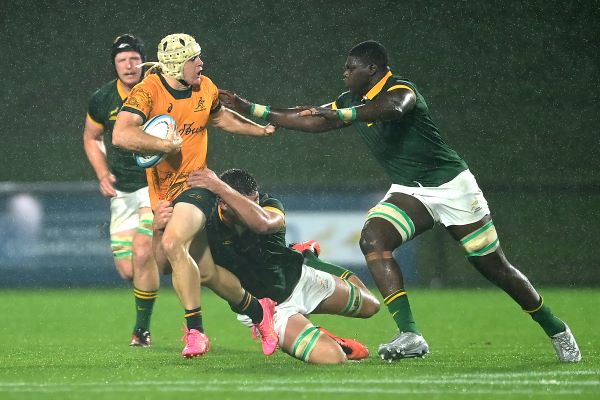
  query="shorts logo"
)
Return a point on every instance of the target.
[
  {"x": 475, "y": 206},
  {"x": 227, "y": 242},
  {"x": 196, "y": 196}
]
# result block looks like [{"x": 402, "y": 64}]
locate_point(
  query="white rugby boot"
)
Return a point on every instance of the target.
[
  {"x": 404, "y": 345},
  {"x": 566, "y": 347}
]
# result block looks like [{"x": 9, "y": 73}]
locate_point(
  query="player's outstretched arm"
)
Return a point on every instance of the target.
[
  {"x": 386, "y": 107},
  {"x": 253, "y": 216},
  {"x": 290, "y": 118},
  {"x": 129, "y": 135},
  {"x": 233, "y": 122}
]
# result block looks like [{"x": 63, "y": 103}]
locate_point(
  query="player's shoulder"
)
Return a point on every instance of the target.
[
  {"x": 106, "y": 90},
  {"x": 267, "y": 201},
  {"x": 397, "y": 82},
  {"x": 207, "y": 84}
]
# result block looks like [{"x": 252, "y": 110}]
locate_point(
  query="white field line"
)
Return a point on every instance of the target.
[{"x": 486, "y": 383}]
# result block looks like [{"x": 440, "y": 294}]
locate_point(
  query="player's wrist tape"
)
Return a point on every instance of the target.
[
  {"x": 347, "y": 114},
  {"x": 260, "y": 111}
]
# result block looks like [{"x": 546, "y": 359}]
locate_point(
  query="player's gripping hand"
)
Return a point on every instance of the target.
[
  {"x": 174, "y": 139},
  {"x": 269, "y": 130},
  {"x": 205, "y": 178},
  {"x": 106, "y": 185},
  {"x": 234, "y": 102},
  {"x": 162, "y": 214}
]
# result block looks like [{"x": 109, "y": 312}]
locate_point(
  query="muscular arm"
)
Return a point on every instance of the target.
[
  {"x": 282, "y": 117},
  {"x": 93, "y": 144},
  {"x": 252, "y": 215},
  {"x": 386, "y": 107},
  {"x": 129, "y": 135},
  {"x": 233, "y": 122}
]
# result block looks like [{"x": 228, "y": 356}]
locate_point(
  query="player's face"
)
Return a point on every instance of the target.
[
  {"x": 126, "y": 64},
  {"x": 357, "y": 75},
  {"x": 192, "y": 70}
]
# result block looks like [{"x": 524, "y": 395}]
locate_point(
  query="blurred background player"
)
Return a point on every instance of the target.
[
  {"x": 178, "y": 88},
  {"x": 430, "y": 183},
  {"x": 124, "y": 183},
  {"x": 246, "y": 233}
]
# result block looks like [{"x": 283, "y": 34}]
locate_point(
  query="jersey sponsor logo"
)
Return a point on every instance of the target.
[
  {"x": 200, "y": 106},
  {"x": 189, "y": 129},
  {"x": 170, "y": 108},
  {"x": 112, "y": 115}
]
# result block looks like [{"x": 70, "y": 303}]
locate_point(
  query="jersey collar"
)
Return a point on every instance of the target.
[
  {"x": 377, "y": 88},
  {"x": 121, "y": 89}
]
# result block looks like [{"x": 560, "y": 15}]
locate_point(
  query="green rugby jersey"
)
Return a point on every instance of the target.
[
  {"x": 264, "y": 264},
  {"x": 410, "y": 149},
  {"x": 103, "y": 107}
]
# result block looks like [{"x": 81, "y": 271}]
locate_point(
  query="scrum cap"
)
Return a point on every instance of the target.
[
  {"x": 173, "y": 51},
  {"x": 127, "y": 42}
]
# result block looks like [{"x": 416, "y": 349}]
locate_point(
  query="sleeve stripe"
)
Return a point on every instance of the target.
[
  {"x": 400, "y": 87},
  {"x": 98, "y": 124},
  {"x": 275, "y": 210},
  {"x": 135, "y": 111}
]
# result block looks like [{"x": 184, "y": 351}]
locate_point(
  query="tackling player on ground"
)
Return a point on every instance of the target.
[
  {"x": 247, "y": 237},
  {"x": 430, "y": 183},
  {"x": 179, "y": 89},
  {"x": 124, "y": 183}
]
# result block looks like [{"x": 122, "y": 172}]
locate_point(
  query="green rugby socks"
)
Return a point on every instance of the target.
[
  {"x": 313, "y": 261},
  {"x": 548, "y": 321},
  {"x": 144, "y": 304},
  {"x": 398, "y": 305}
]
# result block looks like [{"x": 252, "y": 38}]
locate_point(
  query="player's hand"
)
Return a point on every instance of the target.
[
  {"x": 322, "y": 112},
  {"x": 162, "y": 214},
  {"x": 106, "y": 185},
  {"x": 204, "y": 178},
  {"x": 234, "y": 102},
  {"x": 174, "y": 139},
  {"x": 269, "y": 130}
]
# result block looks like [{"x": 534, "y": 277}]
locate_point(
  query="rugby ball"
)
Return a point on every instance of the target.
[{"x": 159, "y": 127}]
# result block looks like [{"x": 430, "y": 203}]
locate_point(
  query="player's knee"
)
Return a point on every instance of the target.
[
  {"x": 327, "y": 351},
  {"x": 370, "y": 306},
  {"x": 481, "y": 242},
  {"x": 371, "y": 240},
  {"x": 172, "y": 246},
  {"x": 142, "y": 251}
]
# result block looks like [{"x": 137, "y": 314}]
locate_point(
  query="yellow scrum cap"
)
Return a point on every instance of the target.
[{"x": 174, "y": 50}]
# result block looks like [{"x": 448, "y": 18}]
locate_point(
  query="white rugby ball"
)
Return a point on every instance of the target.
[{"x": 159, "y": 127}]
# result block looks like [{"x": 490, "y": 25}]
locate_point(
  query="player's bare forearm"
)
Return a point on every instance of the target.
[
  {"x": 253, "y": 216},
  {"x": 233, "y": 122},
  {"x": 292, "y": 118},
  {"x": 129, "y": 135},
  {"x": 282, "y": 117}
]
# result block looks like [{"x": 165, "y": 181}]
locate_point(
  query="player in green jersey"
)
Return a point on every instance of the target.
[
  {"x": 430, "y": 183},
  {"x": 246, "y": 233},
  {"x": 125, "y": 184}
]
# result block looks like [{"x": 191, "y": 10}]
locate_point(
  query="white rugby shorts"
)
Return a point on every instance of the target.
[
  {"x": 458, "y": 202},
  {"x": 313, "y": 287},
  {"x": 124, "y": 209}
]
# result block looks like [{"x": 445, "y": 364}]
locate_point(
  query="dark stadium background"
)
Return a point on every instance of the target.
[{"x": 513, "y": 86}]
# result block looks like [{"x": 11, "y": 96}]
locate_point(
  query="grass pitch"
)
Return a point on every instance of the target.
[{"x": 73, "y": 344}]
